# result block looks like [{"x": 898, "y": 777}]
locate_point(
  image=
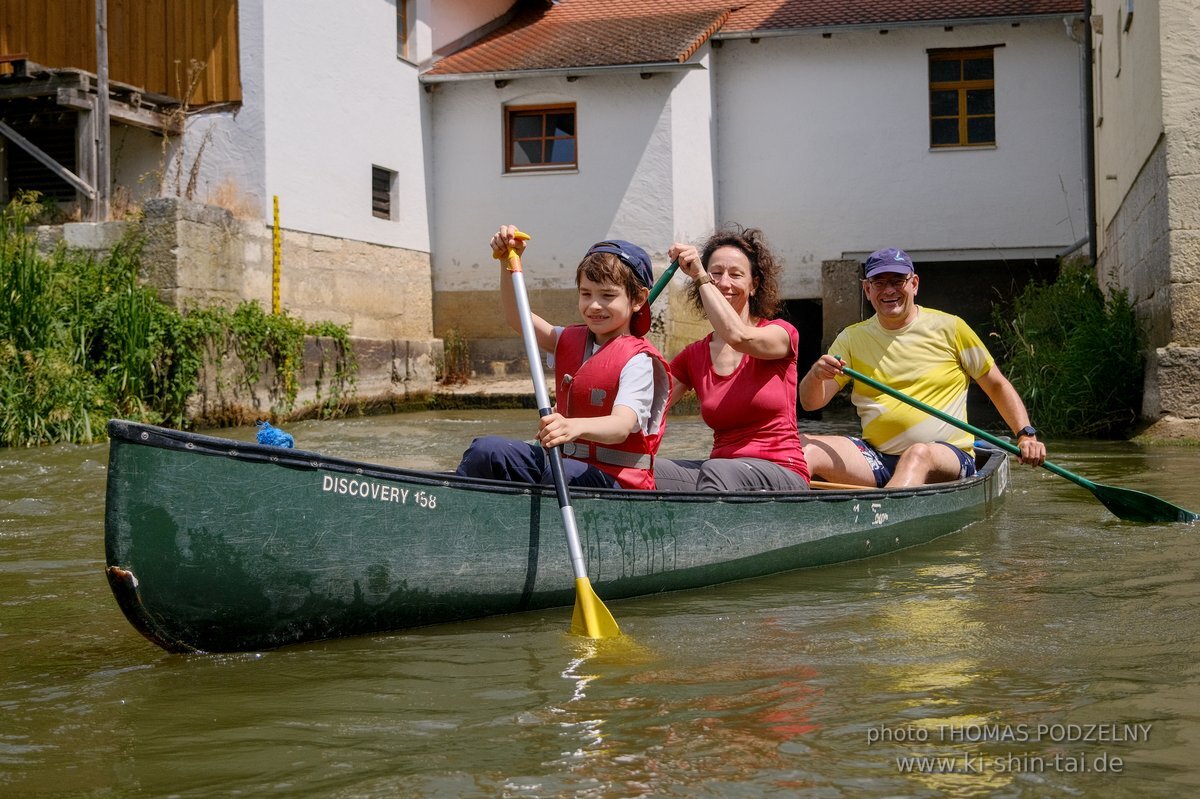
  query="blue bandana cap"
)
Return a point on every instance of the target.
[{"x": 636, "y": 259}]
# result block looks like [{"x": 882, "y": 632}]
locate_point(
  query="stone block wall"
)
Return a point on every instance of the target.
[
  {"x": 200, "y": 254},
  {"x": 841, "y": 298},
  {"x": 1152, "y": 250}
]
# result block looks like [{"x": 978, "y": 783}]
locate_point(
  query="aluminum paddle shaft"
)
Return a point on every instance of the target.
[{"x": 591, "y": 617}]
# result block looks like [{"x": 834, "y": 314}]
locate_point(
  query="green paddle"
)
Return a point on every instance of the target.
[
  {"x": 1125, "y": 503},
  {"x": 662, "y": 281}
]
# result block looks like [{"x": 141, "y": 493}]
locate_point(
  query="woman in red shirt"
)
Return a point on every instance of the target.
[{"x": 744, "y": 372}]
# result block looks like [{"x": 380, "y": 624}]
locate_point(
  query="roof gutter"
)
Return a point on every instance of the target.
[
  {"x": 564, "y": 72},
  {"x": 874, "y": 26}
]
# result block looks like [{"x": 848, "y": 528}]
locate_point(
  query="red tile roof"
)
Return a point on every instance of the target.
[
  {"x": 595, "y": 33},
  {"x": 590, "y": 33},
  {"x": 797, "y": 14}
]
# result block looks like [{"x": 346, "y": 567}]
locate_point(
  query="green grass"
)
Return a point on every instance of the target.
[{"x": 1074, "y": 354}]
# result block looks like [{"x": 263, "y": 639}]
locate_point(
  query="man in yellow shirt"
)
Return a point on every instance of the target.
[{"x": 928, "y": 355}]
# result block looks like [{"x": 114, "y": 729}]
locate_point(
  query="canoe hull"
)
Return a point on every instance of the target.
[{"x": 218, "y": 545}]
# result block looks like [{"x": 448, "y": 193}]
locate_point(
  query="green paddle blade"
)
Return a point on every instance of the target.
[
  {"x": 591, "y": 618},
  {"x": 1137, "y": 506},
  {"x": 1125, "y": 503}
]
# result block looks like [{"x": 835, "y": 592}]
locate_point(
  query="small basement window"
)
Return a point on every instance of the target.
[{"x": 383, "y": 193}]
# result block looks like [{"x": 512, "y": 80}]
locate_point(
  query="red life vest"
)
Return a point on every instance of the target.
[{"x": 588, "y": 388}]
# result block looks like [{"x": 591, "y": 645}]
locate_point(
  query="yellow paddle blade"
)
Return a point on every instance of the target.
[{"x": 591, "y": 618}]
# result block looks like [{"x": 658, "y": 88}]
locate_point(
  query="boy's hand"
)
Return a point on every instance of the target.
[
  {"x": 508, "y": 236},
  {"x": 555, "y": 430}
]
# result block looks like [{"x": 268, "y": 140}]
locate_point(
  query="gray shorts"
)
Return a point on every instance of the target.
[{"x": 730, "y": 475}]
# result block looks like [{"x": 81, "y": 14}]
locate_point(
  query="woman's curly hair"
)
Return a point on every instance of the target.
[{"x": 764, "y": 269}]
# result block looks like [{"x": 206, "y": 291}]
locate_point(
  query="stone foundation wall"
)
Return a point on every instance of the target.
[
  {"x": 1152, "y": 249},
  {"x": 390, "y": 374},
  {"x": 200, "y": 254},
  {"x": 496, "y": 350},
  {"x": 841, "y": 298}
]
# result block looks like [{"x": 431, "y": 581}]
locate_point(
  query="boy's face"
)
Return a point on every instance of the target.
[{"x": 606, "y": 308}]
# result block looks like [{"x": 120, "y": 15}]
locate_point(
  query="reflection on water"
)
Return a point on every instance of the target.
[{"x": 826, "y": 682}]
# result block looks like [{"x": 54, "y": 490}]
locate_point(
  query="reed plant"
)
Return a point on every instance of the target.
[
  {"x": 1074, "y": 354},
  {"x": 82, "y": 340},
  {"x": 455, "y": 363}
]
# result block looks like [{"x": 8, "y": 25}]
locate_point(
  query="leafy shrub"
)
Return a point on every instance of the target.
[
  {"x": 82, "y": 340},
  {"x": 1074, "y": 355}
]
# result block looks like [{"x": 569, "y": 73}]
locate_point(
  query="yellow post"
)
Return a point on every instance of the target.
[{"x": 275, "y": 261}]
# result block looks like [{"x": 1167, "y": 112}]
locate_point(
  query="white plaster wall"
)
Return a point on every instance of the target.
[
  {"x": 1129, "y": 99},
  {"x": 137, "y": 164},
  {"x": 824, "y": 143},
  {"x": 623, "y": 188},
  {"x": 450, "y": 20},
  {"x": 693, "y": 139},
  {"x": 226, "y": 146},
  {"x": 338, "y": 100}
]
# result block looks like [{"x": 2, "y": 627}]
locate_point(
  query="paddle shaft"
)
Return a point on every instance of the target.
[
  {"x": 662, "y": 281},
  {"x": 961, "y": 425},
  {"x": 543, "y": 402}
]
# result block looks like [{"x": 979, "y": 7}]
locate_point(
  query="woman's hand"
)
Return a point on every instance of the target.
[{"x": 689, "y": 259}]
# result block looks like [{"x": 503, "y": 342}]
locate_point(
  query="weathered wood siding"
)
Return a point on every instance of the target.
[{"x": 151, "y": 43}]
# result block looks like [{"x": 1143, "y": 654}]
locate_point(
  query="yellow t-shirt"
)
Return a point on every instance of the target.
[{"x": 933, "y": 360}]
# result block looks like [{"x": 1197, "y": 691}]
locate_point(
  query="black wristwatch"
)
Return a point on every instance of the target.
[{"x": 1027, "y": 430}]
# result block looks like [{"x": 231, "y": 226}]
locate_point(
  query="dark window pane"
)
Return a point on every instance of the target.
[
  {"x": 560, "y": 125},
  {"x": 562, "y": 151},
  {"x": 525, "y": 126},
  {"x": 981, "y": 101},
  {"x": 525, "y": 153},
  {"x": 977, "y": 69},
  {"x": 943, "y": 103},
  {"x": 943, "y": 131},
  {"x": 944, "y": 70},
  {"x": 981, "y": 130}
]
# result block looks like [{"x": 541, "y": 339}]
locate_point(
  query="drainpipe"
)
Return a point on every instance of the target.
[{"x": 1089, "y": 136}]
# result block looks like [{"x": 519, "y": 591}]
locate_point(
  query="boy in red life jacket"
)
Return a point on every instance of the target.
[{"x": 611, "y": 384}]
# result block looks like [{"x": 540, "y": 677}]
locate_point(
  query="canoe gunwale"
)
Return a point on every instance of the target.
[{"x": 307, "y": 460}]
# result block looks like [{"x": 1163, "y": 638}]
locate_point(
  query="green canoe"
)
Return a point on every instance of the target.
[{"x": 218, "y": 545}]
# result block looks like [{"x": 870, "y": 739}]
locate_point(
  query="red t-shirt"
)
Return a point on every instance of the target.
[{"x": 752, "y": 411}]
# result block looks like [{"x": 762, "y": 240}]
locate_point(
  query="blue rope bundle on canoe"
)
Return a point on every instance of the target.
[{"x": 273, "y": 436}]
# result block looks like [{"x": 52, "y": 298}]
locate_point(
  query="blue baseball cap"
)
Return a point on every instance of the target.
[
  {"x": 636, "y": 259},
  {"x": 889, "y": 259}
]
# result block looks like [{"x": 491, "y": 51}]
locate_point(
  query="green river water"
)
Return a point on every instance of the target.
[{"x": 1051, "y": 651}]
